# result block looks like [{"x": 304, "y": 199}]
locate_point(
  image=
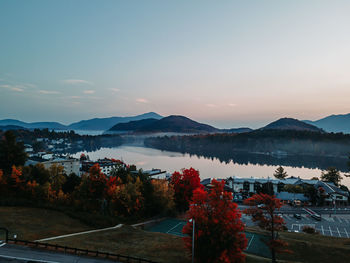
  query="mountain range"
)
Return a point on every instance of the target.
[
  {"x": 99, "y": 124},
  {"x": 107, "y": 123},
  {"x": 181, "y": 124},
  {"x": 173, "y": 123},
  {"x": 153, "y": 122},
  {"x": 33, "y": 125},
  {"x": 291, "y": 124}
]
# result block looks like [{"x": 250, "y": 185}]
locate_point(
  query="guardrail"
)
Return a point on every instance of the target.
[{"x": 81, "y": 252}]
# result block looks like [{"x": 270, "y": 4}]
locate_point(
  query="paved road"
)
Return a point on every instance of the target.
[{"x": 24, "y": 254}]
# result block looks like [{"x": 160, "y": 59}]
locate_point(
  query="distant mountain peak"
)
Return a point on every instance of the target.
[
  {"x": 291, "y": 124},
  {"x": 107, "y": 123},
  {"x": 172, "y": 123}
]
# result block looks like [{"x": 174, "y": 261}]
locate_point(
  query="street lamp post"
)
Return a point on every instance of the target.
[{"x": 193, "y": 226}]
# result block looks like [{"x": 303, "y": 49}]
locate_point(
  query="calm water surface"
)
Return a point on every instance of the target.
[{"x": 148, "y": 158}]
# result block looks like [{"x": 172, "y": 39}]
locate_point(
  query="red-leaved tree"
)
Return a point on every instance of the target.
[
  {"x": 184, "y": 184},
  {"x": 263, "y": 208},
  {"x": 218, "y": 227}
]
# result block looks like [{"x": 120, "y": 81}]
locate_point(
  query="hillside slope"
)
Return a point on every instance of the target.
[
  {"x": 333, "y": 123},
  {"x": 291, "y": 124},
  {"x": 106, "y": 123}
]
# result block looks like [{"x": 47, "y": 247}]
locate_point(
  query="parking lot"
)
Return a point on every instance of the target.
[{"x": 334, "y": 225}]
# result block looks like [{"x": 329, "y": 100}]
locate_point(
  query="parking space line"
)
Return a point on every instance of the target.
[
  {"x": 250, "y": 241},
  {"x": 322, "y": 229},
  {"x": 346, "y": 232},
  {"x": 338, "y": 232},
  {"x": 346, "y": 221},
  {"x": 330, "y": 230},
  {"x": 340, "y": 220}
]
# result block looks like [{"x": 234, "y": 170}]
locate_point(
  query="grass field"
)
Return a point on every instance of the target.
[
  {"x": 131, "y": 241},
  {"x": 313, "y": 248},
  {"x": 35, "y": 223}
]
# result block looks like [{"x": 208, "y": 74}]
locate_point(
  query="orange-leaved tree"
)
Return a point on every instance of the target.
[
  {"x": 97, "y": 182},
  {"x": 184, "y": 184},
  {"x": 218, "y": 229},
  {"x": 262, "y": 209},
  {"x": 16, "y": 180}
]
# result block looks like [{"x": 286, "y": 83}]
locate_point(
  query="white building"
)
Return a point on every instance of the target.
[{"x": 69, "y": 165}]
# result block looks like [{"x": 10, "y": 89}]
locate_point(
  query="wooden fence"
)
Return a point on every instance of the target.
[{"x": 81, "y": 252}]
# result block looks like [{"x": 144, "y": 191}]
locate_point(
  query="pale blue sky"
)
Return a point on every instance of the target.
[{"x": 226, "y": 63}]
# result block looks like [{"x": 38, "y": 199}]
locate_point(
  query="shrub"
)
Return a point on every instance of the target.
[{"x": 309, "y": 230}]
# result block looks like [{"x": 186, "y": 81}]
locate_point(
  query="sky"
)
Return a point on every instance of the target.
[{"x": 224, "y": 63}]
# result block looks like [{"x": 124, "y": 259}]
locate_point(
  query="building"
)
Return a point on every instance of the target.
[
  {"x": 333, "y": 194},
  {"x": 292, "y": 198},
  {"x": 250, "y": 186},
  {"x": 106, "y": 165},
  {"x": 243, "y": 188},
  {"x": 28, "y": 148},
  {"x": 157, "y": 174},
  {"x": 70, "y": 165}
]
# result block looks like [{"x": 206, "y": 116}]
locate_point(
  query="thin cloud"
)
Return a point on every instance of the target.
[
  {"x": 77, "y": 82},
  {"x": 211, "y": 105},
  {"x": 114, "y": 89},
  {"x": 232, "y": 104},
  {"x": 89, "y": 91},
  {"x": 47, "y": 92},
  {"x": 17, "y": 88},
  {"x": 142, "y": 100},
  {"x": 74, "y": 97}
]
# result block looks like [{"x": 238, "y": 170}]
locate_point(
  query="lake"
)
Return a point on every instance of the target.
[{"x": 148, "y": 158}]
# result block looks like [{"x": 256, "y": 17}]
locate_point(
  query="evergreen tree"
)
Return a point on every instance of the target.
[
  {"x": 280, "y": 173},
  {"x": 332, "y": 175}
]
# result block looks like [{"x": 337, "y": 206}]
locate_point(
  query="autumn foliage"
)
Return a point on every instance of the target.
[
  {"x": 219, "y": 230},
  {"x": 184, "y": 184},
  {"x": 262, "y": 209}
]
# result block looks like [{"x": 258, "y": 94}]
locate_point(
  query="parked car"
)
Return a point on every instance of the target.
[{"x": 297, "y": 216}]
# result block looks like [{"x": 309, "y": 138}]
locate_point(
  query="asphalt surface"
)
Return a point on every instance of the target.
[
  {"x": 15, "y": 253},
  {"x": 336, "y": 225}
]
